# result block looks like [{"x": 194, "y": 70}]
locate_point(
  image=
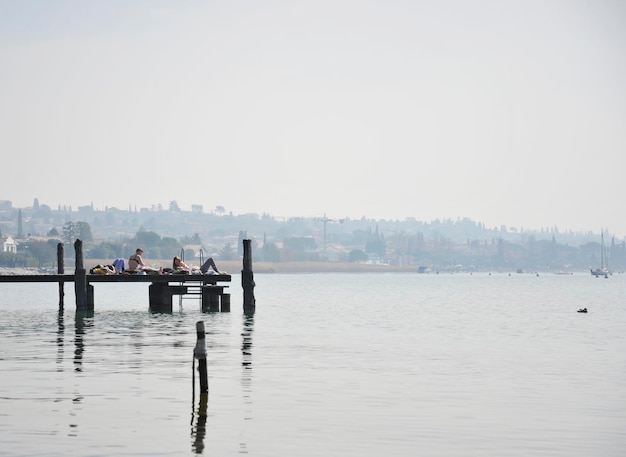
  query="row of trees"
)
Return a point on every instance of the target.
[
  {"x": 43, "y": 254},
  {"x": 410, "y": 242},
  {"x": 500, "y": 255},
  {"x": 34, "y": 254}
]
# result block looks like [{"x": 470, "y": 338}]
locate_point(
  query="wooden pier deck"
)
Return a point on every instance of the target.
[
  {"x": 209, "y": 288},
  {"x": 165, "y": 278}
]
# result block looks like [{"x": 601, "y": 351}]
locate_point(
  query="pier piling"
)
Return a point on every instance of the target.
[
  {"x": 225, "y": 305},
  {"x": 247, "y": 279},
  {"x": 61, "y": 271},
  {"x": 199, "y": 353},
  {"x": 210, "y": 300},
  {"x": 83, "y": 303},
  {"x": 160, "y": 298}
]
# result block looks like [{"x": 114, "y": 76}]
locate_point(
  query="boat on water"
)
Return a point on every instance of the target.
[{"x": 603, "y": 269}]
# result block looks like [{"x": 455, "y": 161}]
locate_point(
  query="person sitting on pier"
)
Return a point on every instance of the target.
[
  {"x": 178, "y": 266},
  {"x": 136, "y": 264}
]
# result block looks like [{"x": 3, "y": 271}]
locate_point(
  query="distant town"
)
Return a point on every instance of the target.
[{"x": 30, "y": 237}]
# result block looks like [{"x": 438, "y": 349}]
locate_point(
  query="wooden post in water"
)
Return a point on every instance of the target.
[
  {"x": 247, "y": 279},
  {"x": 225, "y": 303},
  {"x": 61, "y": 270},
  {"x": 210, "y": 299},
  {"x": 80, "y": 278},
  {"x": 160, "y": 296},
  {"x": 199, "y": 353}
]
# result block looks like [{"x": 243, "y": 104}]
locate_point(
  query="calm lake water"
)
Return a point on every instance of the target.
[{"x": 330, "y": 365}]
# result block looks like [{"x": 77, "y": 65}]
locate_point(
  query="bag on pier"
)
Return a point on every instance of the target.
[{"x": 102, "y": 270}]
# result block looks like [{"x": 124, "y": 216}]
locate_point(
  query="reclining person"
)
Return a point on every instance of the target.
[{"x": 181, "y": 267}]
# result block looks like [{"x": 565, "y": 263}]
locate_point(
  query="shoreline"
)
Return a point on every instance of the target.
[
  {"x": 316, "y": 267},
  {"x": 235, "y": 267}
]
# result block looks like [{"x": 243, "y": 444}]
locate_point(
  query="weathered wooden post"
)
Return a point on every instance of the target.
[
  {"x": 247, "y": 279},
  {"x": 80, "y": 278},
  {"x": 61, "y": 270},
  {"x": 199, "y": 353}
]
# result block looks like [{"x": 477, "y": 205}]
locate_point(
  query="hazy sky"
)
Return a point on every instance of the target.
[{"x": 506, "y": 112}]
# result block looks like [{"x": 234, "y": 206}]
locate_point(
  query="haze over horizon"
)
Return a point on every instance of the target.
[{"x": 507, "y": 113}]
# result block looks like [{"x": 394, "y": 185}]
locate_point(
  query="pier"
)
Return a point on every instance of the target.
[{"x": 210, "y": 289}]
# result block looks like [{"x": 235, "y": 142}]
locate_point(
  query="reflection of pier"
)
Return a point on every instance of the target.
[
  {"x": 83, "y": 323},
  {"x": 79, "y": 339}
]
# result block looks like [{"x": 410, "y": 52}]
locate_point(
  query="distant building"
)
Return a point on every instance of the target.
[
  {"x": 9, "y": 245},
  {"x": 333, "y": 253}
]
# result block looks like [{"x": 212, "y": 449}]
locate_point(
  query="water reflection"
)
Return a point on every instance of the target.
[
  {"x": 60, "y": 339},
  {"x": 199, "y": 414},
  {"x": 246, "y": 359},
  {"x": 83, "y": 322},
  {"x": 246, "y": 346},
  {"x": 246, "y": 373},
  {"x": 198, "y": 431}
]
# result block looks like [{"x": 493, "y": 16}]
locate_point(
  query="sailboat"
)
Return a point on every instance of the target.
[{"x": 603, "y": 269}]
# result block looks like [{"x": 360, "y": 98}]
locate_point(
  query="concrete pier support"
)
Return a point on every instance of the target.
[
  {"x": 160, "y": 297},
  {"x": 211, "y": 298},
  {"x": 225, "y": 305}
]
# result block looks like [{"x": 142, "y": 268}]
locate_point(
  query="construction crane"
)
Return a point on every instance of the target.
[{"x": 326, "y": 220}]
